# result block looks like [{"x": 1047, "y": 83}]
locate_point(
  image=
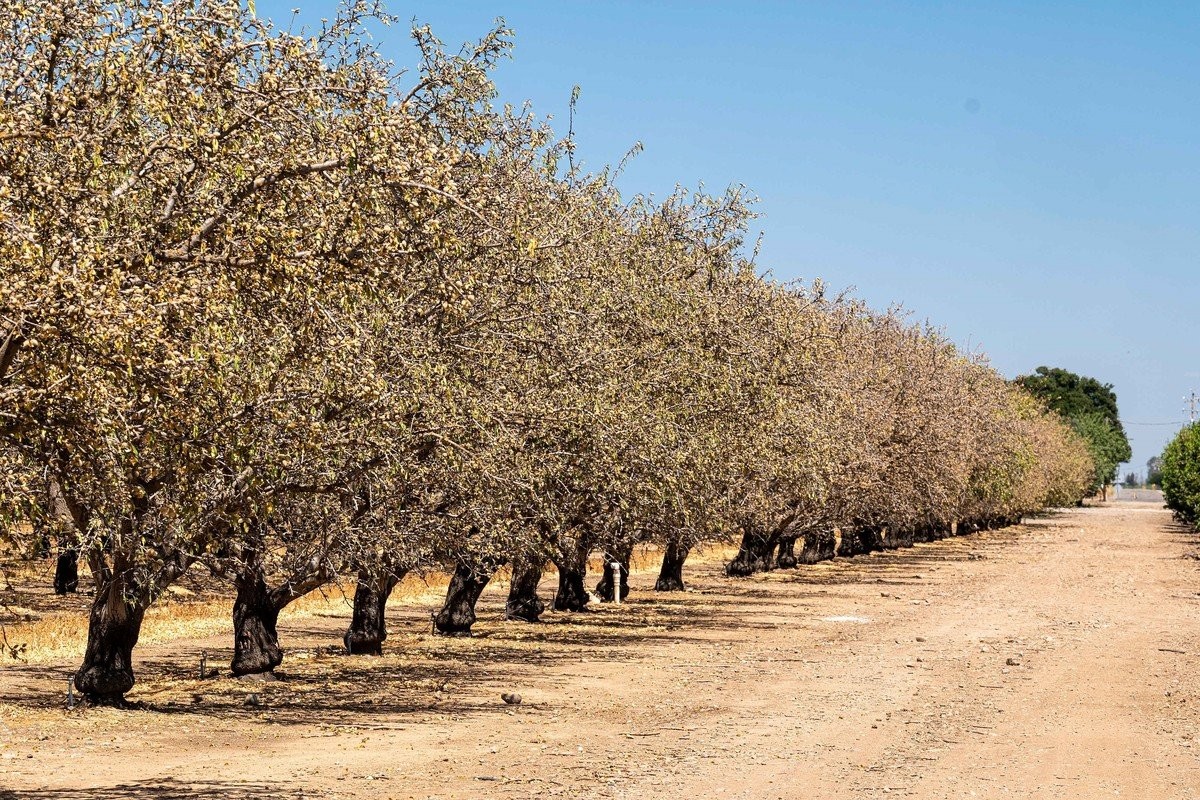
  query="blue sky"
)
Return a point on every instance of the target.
[{"x": 1025, "y": 175}]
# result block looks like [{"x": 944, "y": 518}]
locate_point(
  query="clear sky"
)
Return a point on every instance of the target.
[{"x": 1025, "y": 175}]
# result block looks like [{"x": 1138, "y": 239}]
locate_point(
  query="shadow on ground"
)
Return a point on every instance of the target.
[
  {"x": 157, "y": 790},
  {"x": 422, "y": 674}
]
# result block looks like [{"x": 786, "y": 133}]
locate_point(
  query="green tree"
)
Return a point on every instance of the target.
[
  {"x": 1181, "y": 474},
  {"x": 1106, "y": 444},
  {"x": 1091, "y": 409},
  {"x": 1154, "y": 471}
]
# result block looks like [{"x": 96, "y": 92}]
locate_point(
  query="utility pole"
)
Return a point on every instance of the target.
[{"x": 1192, "y": 401}]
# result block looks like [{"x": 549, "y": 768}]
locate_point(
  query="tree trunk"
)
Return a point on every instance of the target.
[
  {"x": 523, "y": 601},
  {"x": 604, "y": 589},
  {"x": 368, "y": 627},
  {"x": 670, "y": 577},
  {"x": 255, "y": 641},
  {"x": 893, "y": 537},
  {"x": 754, "y": 555},
  {"x": 861, "y": 541},
  {"x": 458, "y": 612},
  {"x": 870, "y": 539},
  {"x": 787, "y": 553},
  {"x": 572, "y": 572},
  {"x": 924, "y": 533},
  {"x": 849, "y": 545},
  {"x": 818, "y": 546},
  {"x": 66, "y": 569},
  {"x": 113, "y": 628}
]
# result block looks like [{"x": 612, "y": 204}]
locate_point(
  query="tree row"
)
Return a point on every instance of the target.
[{"x": 279, "y": 311}]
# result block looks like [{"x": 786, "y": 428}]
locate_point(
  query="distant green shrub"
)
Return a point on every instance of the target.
[{"x": 1181, "y": 474}]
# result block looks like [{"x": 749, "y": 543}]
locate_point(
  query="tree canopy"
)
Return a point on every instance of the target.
[
  {"x": 1091, "y": 408},
  {"x": 1181, "y": 474},
  {"x": 278, "y": 311}
]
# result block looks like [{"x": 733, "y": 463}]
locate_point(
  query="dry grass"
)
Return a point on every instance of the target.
[
  {"x": 56, "y": 635},
  {"x": 60, "y": 635}
]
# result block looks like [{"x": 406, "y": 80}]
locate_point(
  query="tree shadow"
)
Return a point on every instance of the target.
[
  {"x": 159, "y": 789},
  {"x": 422, "y": 675}
]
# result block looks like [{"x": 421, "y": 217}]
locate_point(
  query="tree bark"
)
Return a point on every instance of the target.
[
  {"x": 924, "y": 533},
  {"x": 66, "y": 569},
  {"x": 604, "y": 589},
  {"x": 848, "y": 545},
  {"x": 671, "y": 573},
  {"x": 893, "y": 537},
  {"x": 72, "y": 519},
  {"x": 870, "y": 538},
  {"x": 786, "y": 559},
  {"x": 255, "y": 614},
  {"x": 859, "y": 541},
  {"x": 523, "y": 601},
  {"x": 368, "y": 625},
  {"x": 458, "y": 612},
  {"x": 818, "y": 546},
  {"x": 670, "y": 577},
  {"x": 114, "y": 624},
  {"x": 572, "y": 572},
  {"x": 755, "y": 552}
]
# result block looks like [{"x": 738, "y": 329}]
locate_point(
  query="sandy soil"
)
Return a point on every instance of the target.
[{"x": 1055, "y": 659}]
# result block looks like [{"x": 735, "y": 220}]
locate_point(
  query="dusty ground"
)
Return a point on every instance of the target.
[{"x": 1057, "y": 659}]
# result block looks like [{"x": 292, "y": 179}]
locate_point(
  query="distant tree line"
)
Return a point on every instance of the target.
[{"x": 274, "y": 310}]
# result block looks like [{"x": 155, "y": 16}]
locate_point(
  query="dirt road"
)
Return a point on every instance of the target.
[{"x": 1057, "y": 659}]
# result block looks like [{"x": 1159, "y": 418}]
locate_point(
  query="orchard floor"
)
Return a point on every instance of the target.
[{"x": 1060, "y": 658}]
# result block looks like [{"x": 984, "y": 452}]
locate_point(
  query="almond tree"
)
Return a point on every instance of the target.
[{"x": 185, "y": 192}]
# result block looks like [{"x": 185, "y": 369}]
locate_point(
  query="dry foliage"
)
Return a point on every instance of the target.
[{"x": 273, "y": 309}]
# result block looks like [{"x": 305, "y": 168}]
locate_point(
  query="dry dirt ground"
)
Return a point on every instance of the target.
[{"x": 1060, "y": 658}]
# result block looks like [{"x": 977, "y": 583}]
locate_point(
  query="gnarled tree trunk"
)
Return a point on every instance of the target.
[
  {"x": 572, "y": 572},
  {"x": 368, "y": 626},
  {"x": 818, "y": 546},
  {"x": 457, "y": 614},
  {"x": 256, "y": 609},
  {"x": 255, "y": 614},
  {"x": 894, "y": 537},
  {"x": 114, "y": 624},
  {"x": 523, "y": 601},
  {"x": 670, "y": 577},
  {"x": 754, "y": 555},
  {"x": 925, "y": 533},
  {"x": 786, "y": 559},
  {"x": 604, "y": 589},
  {"x": 870, "y": 538},
  {"x": 66, "y": 569},
  {"x": 859, "y": 541}
]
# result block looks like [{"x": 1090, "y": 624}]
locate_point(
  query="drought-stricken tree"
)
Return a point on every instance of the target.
[
  {"x": 191, "y": 199},
  {"x": 274, "y": 309}
]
